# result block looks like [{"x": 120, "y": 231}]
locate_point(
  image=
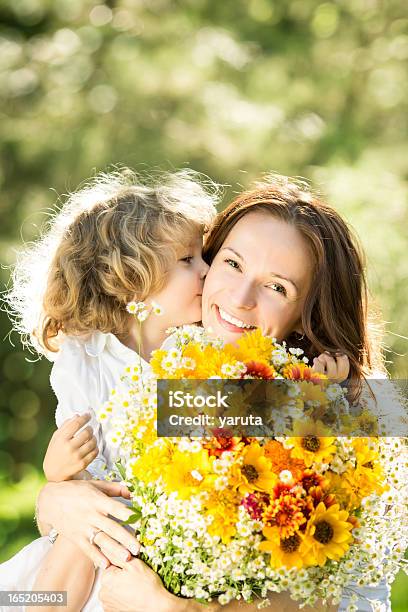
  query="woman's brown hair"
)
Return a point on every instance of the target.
[{"x": 336, "y": 314}]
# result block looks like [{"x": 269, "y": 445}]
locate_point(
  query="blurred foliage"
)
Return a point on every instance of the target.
[{"x": 232, "y": 89}]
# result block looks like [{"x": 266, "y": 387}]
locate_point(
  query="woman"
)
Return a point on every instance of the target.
[{"x": 282, "y": 261}]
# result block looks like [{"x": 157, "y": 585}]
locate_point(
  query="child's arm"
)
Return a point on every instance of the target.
[
  {"x": 336, "y": 366},
  {"x": 65, "y": 568},
  {"x": 70, "y": 451}
]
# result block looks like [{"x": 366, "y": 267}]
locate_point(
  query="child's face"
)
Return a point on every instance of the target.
[{"x": 181, "y": 296}]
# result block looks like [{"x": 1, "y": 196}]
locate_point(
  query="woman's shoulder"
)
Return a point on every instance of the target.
[{"x": 386, "y": 398}]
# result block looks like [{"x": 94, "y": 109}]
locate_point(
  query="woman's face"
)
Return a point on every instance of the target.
[{"x": 259, "y": 278}]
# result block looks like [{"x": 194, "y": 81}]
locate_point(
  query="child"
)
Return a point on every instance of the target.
[{"x": 112, "y": 242}]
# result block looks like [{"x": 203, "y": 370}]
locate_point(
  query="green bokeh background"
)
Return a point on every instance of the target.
[{"x": 232, "y": 89}]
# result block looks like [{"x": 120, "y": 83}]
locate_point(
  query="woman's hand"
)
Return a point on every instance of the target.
[
  {"x": 70, "y": 451},
  {"x": 335, "y": 366},
  {"x": 134, "y": 587},
  {"x": 77, "y": 509}
]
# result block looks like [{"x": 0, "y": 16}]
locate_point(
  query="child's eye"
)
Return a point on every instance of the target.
[
  {"x": 278, "y": 288},
  {"x": 234, "y": 264},
  {"x": 187, "y": 259}
]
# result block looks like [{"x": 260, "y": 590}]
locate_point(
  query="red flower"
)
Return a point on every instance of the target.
[
  {"x": 223, "y": 441},
  {"x": 255, "y": 504}
]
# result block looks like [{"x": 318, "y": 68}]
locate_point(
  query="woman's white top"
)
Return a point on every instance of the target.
[{"x": 85, "y": 371}]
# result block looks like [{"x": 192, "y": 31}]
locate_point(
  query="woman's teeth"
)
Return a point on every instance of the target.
[{"x": 230, "y": 319}]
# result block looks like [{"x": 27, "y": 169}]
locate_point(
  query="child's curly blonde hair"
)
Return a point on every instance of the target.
[{"x": 111, "y": 242}]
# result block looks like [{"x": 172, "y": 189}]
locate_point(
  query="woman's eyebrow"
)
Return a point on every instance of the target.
[
  {"x": 234, "y": 251},
  {"x": 289, "y": 280},
  {"x": 274, "y": 274}
]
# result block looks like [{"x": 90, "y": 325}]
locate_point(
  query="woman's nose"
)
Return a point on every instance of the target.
[{"x": 242, "y": 295}]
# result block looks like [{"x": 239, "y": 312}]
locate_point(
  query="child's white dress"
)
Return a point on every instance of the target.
[{"x": 83, "y": 375}]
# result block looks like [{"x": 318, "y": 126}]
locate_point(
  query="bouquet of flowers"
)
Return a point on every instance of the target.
[{"x": 231, "y": 516}]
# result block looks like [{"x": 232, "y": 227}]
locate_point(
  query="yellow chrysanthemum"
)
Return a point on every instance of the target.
[
  {"x": 213, "y": 360},
  {"x": 285, "y": 552},
  {"x": 222, "y": 506},
  {"x": 312, "y": 442},
  {"x": 367, "y": 477},
  {"x": 187, "y": 473},
  {"x": 153, "y": 461},
  {"x": 156, "y": 363},
  {"x": 255, "y": 473},
  {"x": 327, "y": 534},
  {"x": 253, "y": 346}
]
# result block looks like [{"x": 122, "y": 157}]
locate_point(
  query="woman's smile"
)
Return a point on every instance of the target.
[{"x": 230, "y": 322}]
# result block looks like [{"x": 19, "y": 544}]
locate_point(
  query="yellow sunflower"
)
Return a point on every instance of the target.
[
  {"x": 285, "y": 551},
  {"x": 255, "y": 473},
  {"x": 312, "y": 442},
  {"x": 327, "y": 534},
  {"x": 187, "y": 473}
]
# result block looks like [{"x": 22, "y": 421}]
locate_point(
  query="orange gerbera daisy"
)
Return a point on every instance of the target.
[
  {"x": 259, "y": 369},
  {"x": 301, "y": 371}
]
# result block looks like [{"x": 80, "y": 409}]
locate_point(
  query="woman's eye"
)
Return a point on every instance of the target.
[
  {"x": 278, "y": 288},
  {"x": 234, "y": 264}
]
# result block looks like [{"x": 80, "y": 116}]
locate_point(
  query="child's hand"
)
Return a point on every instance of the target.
[
  {"x": 336, "y": 367},
  {"x": 67, "y": 453}
]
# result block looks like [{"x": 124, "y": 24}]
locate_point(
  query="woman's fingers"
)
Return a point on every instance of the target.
[
  {"x": 335, "y": 367},
  {"x": 118, "y": 533},
  {"x": 112, "y": 489},
  {"x": 343, "y": 366},
  {"x": 92, "y": 551},
  {"x": 318, "y": 366},
  {"x": 114, "y": 507},
  {"x": 331, "y": 365},
  {"x": 110, "y": 548},
  {"x": 83, "y": 436}
]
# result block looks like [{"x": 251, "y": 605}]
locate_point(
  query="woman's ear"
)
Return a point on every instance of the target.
[{"x": 299, "y": 331}]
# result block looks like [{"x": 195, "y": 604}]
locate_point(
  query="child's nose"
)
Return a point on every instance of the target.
[{"x": 204, "y": 269}]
